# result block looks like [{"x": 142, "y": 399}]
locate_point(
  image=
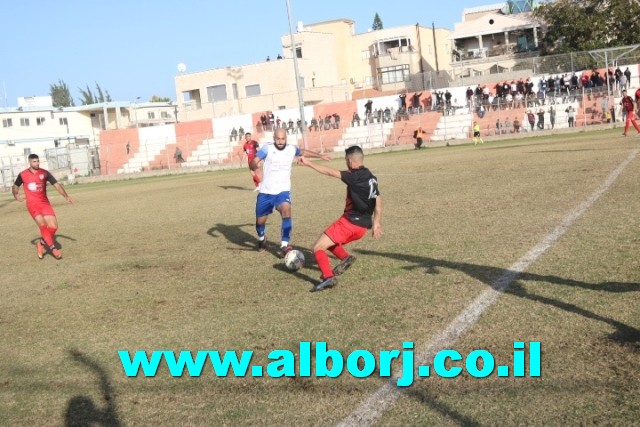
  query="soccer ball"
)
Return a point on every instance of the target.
[{"x": 294, "y": 260}]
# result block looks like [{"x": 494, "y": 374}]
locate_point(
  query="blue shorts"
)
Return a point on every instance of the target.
[{"x": 267, "y": 202}]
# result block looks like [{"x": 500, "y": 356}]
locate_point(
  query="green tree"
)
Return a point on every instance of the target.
[
  {"x": 87, "y": 97},
  {"x": 576, "y": 25},
  {"x": 61, "y": 94},
  {"x": 377, "y": 23},
  {"x": 155, "y": 98}
]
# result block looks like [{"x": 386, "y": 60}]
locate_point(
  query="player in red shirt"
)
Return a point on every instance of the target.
[
  {"x": 627, "y": 104},
  {"x": 35, "y": 191},
  {"x": 363, "y": 210},
  {"x": 250, "y": 148},
  {"x": 637, "y": 99}
]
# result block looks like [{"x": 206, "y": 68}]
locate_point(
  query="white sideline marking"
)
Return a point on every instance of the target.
[{"x": 384, "y": 398}]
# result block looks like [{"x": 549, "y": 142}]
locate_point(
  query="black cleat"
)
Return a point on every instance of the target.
[
  {"x": 325, "y": 284},
  {"x": 262, "y": 245},
  {"x": 344, "y": 265}
]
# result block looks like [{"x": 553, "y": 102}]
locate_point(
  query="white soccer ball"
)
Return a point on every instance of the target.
[{"x": 294, "y": 260}]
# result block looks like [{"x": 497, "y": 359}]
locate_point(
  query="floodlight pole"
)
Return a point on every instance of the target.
[{"x": 303, "y": 126}]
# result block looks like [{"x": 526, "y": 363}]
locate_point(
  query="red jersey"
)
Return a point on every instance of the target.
[
  {"x": 251, "y": 148},
  {"x": 35, "y": 185},
  {"x": 627, "y": 104},
  {"x": 637, "y": 94}
]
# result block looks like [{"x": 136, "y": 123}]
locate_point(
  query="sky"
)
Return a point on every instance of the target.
[{"x": 132, "y": 48}]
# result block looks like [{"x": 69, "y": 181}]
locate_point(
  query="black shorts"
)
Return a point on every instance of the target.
[{"x": 476, "y": 134}]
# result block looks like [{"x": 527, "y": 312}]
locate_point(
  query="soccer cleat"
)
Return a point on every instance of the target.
[
  {"x": 56, "y": 253},
  {"x": 41, "y": 249},
  {"x": 344, "y": 265},
  {"x": 325, "y": 284},
  {"x": 262, "y": 245},
  {"x": 624, "y": 134},
  {"x": 285, "y": 249}
]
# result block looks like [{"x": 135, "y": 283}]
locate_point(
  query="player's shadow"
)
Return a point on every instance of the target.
[
  {"x": 81, "y": 410},
  {"x": 246, "y": 241},
  {"x": 234, "y": 187},
  {"x": 511, "y": 282},
  {"x": 56, "y": 240},
  {"x": 235, "y": 234}
]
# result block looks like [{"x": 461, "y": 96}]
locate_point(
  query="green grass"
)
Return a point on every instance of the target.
[{"x": 169, "y": 263}]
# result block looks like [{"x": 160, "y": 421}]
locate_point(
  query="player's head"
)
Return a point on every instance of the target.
[
  {"x": 247, "y": 136},
  {"x": 624, "y": 92},
  {"x": 354, "y": 157},
  {"x": 280, "y": 138},
  {"x": 34, "y": 161}
]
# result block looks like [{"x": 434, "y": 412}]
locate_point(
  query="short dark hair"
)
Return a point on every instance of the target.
[
  {"x": 353, "y": 150},
  {"x": 33, "y": 156}
]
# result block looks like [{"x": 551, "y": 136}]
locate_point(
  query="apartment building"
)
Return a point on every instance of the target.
[{"x": 334, "y": 64}]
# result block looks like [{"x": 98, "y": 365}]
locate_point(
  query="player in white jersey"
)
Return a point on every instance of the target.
[{"x": 275, "y": 188}]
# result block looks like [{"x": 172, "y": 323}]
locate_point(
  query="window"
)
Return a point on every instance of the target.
[
  {"x": 365, "y": 54},
  {"x": 63, "y": 121},
  {"x": 7, "y": 123},
  {"x": 398, "y": 73},
  {"x": 217, "y": 93},
  {"x": 252, "y": 90},
  {"x": 234, "y": 88},
  {"x": 164, "y": 114},
  {"x": 40, "y": 121},
  {"x": 151, "y": 115},
  {"x": 24, "y": 121},
  {"x": 298, "y": 52}
]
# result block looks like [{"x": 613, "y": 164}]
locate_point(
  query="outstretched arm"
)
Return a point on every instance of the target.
[
  {"x": 325, "y": 170},
  {"x": 313, "y": 154},
  {"x": 63, "y": 192}
]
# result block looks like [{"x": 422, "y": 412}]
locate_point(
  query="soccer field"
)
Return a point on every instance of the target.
[{"x": 169, "y": 263}]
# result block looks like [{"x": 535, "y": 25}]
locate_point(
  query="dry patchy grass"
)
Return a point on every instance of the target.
[{"x": 169, "y": 263}]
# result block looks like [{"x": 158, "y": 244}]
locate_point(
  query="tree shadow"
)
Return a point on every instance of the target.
[
  {"x": 81, "y": 410},
  {"x": 511, "y": 282}
]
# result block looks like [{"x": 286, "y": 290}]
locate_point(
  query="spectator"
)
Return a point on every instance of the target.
[
  {"x": 541, "y": 119},
  {"x": 498, "y": 126},
  {"x": 552, "y": 116},
  {"x": 233, "y": 136},
  {"x": 178, "y": 155},
  {"x": 531, "y": 118},
  {"x": 516, "y": 125},
  {"x": 571, "y": 116},
  {"x": 355, "y": 119}
]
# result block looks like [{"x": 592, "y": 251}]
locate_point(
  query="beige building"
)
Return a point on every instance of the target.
[
  {"x": 335, "y": 64},
  {"x": 494, "y": 38}
]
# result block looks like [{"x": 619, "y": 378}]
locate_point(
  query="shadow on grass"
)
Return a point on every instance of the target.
[
  {"x": 248, "y": 242},
  {"x": 234, "y": 187},
  {"x": 81, "y": 410},
  {"x": 511, "y": 282}
]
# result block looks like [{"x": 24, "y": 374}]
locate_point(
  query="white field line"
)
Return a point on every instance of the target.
[{"x": 384, "y": 398}]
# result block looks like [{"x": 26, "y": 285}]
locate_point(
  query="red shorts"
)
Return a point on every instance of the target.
[
  {"x": 43, "y": 209},
  {"x": 342, "y": 231},
  {"x": 249, "y": 160}
]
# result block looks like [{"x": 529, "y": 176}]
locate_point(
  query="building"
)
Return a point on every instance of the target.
[
  {"x": 335, "y": 64},
  {"x": 494, "y": 38},
  {"x": 58, "y": 133}
]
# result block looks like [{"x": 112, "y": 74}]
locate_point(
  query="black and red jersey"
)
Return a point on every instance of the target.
[
  {"x": 251, "y": 148},
  {"x": 362, "y": 191},
  {"x": 35, "y": 184},
  {"x": 627, "y": 103}
]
